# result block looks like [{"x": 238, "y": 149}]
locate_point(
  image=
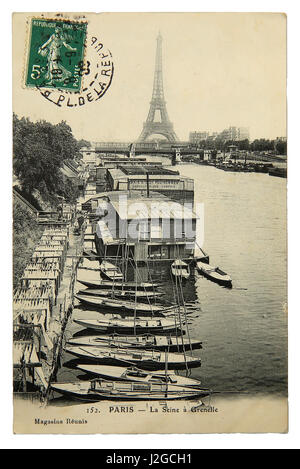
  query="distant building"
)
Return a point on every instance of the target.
[
  {"x": 234, "y": 133},
  {"x": 112, "y": 161},
  {"x": 156, "y": 179},
  {"x": 243, "y": 133},
  {"x": 196, "y": 137},
  {"x": 280, "y": 139},
  {"x": 89, "y": 155}
]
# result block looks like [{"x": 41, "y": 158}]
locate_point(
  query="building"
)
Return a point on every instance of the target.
[
  {"x": 196, "y": 137},
  {"x": 232, "y": 133},
  {"x": 151, "y": 179},
  {"x": 235, "y": 133},
  {"x": 89, "y": 155},
  {"x": 243, "y": 133},
  {"x": 111, "y": 162},
  {"x": 155, "y": 228}
]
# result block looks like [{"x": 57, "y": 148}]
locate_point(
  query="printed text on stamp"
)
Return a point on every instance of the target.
[{"x": 56, "y": 53}]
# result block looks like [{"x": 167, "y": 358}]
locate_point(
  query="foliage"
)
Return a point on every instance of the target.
[
  {"x": 261, "y": 144},
  {"x": 281, "y": 148},
  {"x": 26, "y": 234},
  {"x": 39, "y": 152},
  {"x": 83, "y": 143},
  {"x": 29, "y": 197}
]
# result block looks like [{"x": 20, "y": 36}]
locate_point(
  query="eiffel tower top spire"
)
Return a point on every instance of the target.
[
  {"x": 158, "y": 103},
  {"x": 158, "y": 90}
]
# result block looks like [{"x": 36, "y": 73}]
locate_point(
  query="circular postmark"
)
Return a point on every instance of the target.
[{"x": 68, "y": 66}]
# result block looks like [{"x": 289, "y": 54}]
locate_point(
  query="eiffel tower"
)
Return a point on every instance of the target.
[{"x": 158, "y": 104}]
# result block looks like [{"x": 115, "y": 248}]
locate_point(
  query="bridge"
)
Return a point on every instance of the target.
[{"x": 168, "y": 149}]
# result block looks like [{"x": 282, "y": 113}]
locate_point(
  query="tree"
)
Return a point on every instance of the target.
[
  {"x": 281, "y": 148},
  {"x": 83, "y": 143},
  {"x": 39, "y": 152}
]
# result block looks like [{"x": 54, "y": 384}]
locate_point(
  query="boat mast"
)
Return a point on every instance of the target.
[
  {"x": 180, "y": 298},
  {"x": 166, "y": 370}
]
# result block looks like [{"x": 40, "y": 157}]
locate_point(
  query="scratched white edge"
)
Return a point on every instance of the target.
[{"x": 63, "y": 17}]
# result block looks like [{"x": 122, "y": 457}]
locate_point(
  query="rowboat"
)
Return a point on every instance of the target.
[
  {"x": 110, "y": 271},
  {"x": 180, "y": 269},
  {"x": 89, "y": 264},
  {"x": 90, "y": 254},
  {"x": 139, "y": 295},
  {"x": 201, "y": 255},
  {"x": 130, "y": 326},
  {"x": 122, "y": 305},
  {"x": 215, "y": 274},
  {"x": 117, "y": 285},
  {"x": 146, "y": 342},
  {"x": 99, "y": 389},
  {"x": 146, "y": 359},
  {"x": 279, "y": 172},
  {"x": 120, "y": 373}
]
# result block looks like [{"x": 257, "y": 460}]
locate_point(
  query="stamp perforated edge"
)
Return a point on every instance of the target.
[{"x": 60, "y": 17}]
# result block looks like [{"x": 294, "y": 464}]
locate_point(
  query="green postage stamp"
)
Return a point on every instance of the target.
[{"x": 56, "y": 53}]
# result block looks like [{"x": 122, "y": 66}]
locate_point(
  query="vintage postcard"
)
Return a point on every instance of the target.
[{"x": 149, "y": 203}]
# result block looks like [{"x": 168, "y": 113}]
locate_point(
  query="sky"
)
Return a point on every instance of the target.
[{"x": 219, "y": 70}]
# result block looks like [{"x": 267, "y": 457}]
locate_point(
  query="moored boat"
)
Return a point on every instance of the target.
[
  {"x": 180, "y": 268},
  {"x": 146, "y": 342},
  {"x": 120, "y": 373},
  {"x": 139, "y": 295},
  {"x": 146, "y": 359},
  {"x": 117, "y": 285},
  {"x": 122, "y": 305},
  {"x": 279, "y": 172},
  {"x": 214, "y": 274},
  {"x": 130, "y": 326},
  {"x": 90, "y": 254},
  {"x": 89, "y": 264},
  {"x": 201, "y": 255},
  {"x": 110, "y": 271},
  {"x": 99, "y": 389}
]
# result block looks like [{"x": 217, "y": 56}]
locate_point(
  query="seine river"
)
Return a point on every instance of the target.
[{"x": 244, "y": 329}]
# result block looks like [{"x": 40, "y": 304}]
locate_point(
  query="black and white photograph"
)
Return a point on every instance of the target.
[{"x": 149, "y": 223}]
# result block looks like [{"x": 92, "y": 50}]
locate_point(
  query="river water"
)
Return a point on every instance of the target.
[{"x": 243, "y": 329}]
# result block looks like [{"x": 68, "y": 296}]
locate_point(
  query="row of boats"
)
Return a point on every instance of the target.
[
  {"x": 128, "y": 350},
  {"x": 239, "y": 166},
  {"x": 252, "y": 167},
  {"x": 215, "y": 274},
  {"x": 179, "y": 268}
]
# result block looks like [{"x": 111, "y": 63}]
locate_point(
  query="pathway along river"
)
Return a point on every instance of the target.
[{"x": 244, "y": 330}]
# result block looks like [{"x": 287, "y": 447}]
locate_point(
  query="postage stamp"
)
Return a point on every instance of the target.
[{"x": 56, "y": 54}]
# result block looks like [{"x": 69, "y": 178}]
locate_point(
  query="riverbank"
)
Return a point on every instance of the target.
[
  {"x": 27, "y": 232},
  {"x": 43, "y": 303}
]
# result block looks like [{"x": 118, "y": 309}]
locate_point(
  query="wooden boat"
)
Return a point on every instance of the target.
[
  {"x": 146, "y": 359},
  {"x": 90, "y": 254},
  {"x": 180, "y": 269},
  {"x": 214, "y": 273},
  {"x": 200, "y": 255},
  {"x": 89, "y": 264},
  {"x": 117, "y": 285},
  {"x": 146, "y": 342},
  {"x": 110, "y": 271},
  {"x": 139, "y": 295},
  {"x": 120, "y": 373},
  {"x": 99, "y": 389},
  {"x": 130, "y": 326},
  {"x": 279, "y": 172},
  {"x": 122, "y": 305}
]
